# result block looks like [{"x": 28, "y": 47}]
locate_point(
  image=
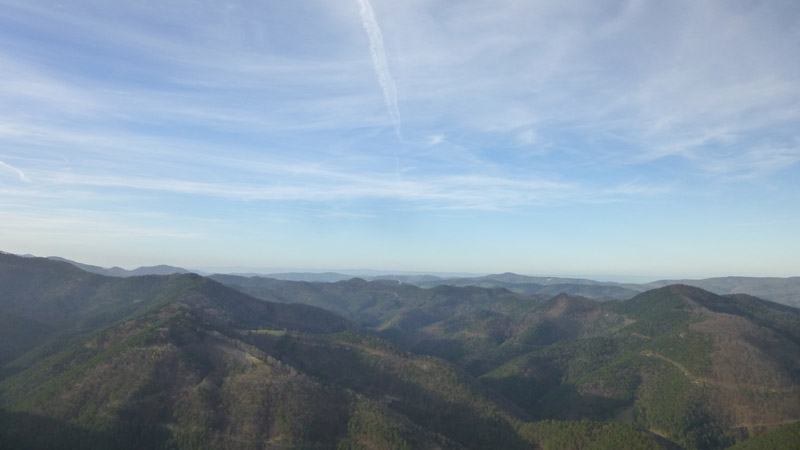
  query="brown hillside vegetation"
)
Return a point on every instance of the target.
[
  {"x": 700, "y": 369},
  {"x": 184, "y": 362}
]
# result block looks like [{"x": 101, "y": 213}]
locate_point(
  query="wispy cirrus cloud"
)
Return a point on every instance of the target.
[
  {"x": 661, "y": 78},
  {"x": 320, "y": 187},
  {"x": 19, "y": 173},
  {"x": 755, "y": 162},
  {"x": 514, "y": 109},
  {"x": 65, "y": 222}
]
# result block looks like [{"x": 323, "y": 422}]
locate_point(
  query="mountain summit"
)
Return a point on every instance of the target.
[{"x": 182, "y": 361}]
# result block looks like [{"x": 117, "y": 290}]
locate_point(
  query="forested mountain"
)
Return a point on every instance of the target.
[
  {"x": 519, "y": 284},
  {"x": 120, "y": 272},
  {"x": 185, "y": 362},
  {"x": 700, "y": 369},
  {"x": 781, "y": 290},
  {"x": 733, "y": 361},
  {"x": 373, "y": 303},
  {"x": 202, "y": 365},
  {"x": 458, "y": 323}
]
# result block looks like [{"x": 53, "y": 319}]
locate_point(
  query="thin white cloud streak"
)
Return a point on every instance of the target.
[
  {"x": 68, "y": 223},
  {"x": 665, "y": 108},
  {"x": 324, "y": 187},
  {"x": 191, "y": 75},
  {"x": 20, "y": 174},
  {"x": 753, "y": 163},
  {"x": 520, "y": 70},
  {"x": 462, "y": 192},
  {"x": 25, "y": 88},
  {"x": 27, "y": 91},
  {"x": 381, "y": 64},
  {"x": 434, "y": 139},
  {"x": 123, "y": 153}
]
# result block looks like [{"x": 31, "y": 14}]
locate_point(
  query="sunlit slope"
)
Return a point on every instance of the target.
[
  {"x": 185, "y": 362},
  {"x": 182, "y": 361},
  {"x": 698, "y": 368},
  {"x": 213, "y": 368}
]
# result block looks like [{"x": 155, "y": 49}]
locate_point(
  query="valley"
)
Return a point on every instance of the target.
[{"x": 222, "y": 361}]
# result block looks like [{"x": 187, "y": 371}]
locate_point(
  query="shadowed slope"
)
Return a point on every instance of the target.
[
  {"x": 204, "y": 366},
  {"x": 696, "y": 367}
]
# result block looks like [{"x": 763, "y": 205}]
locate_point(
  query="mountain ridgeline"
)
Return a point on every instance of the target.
[
  {"x": 189, "y": 362},
  {"x": 781, "y": 290}
]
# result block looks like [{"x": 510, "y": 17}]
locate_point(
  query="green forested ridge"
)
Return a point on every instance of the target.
[
  {"x": 782, "y": 290},
  {"x": 193, "y": 371},
  {"x": 184, "y": 362},
  {"x": 786, "y": 437},
  {"x": 584, "y": 434},
  {"x": 663, "y": 370}
]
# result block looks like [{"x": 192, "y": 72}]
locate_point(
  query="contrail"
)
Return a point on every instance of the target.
[{"x": 380, "y": 63}]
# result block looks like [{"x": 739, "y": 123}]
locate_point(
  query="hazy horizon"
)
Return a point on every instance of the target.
[
  {"x": 365, "y": 272},
  {"x": 621, "y": 139}
]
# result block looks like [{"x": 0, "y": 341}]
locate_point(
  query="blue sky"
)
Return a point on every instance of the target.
[{"x": 607, "y": 139}]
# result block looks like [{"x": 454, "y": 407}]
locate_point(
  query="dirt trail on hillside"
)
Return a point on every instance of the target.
[{"x": 708, "y": 381}]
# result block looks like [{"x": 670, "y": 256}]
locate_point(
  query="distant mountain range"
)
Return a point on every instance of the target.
[
  {"x": 781, "y": 290},
  {"x": 184, "y": 361},
  {"x": 123, "y": 273}
]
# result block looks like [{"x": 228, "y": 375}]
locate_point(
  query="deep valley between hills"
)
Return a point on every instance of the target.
[{"x": 183, "y": 361}]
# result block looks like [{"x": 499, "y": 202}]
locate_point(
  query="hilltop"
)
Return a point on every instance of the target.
[
  {"x": 185, "y": 361},
  {"x": 205, "y": 365},
  {"x": 781, "y": 290}
]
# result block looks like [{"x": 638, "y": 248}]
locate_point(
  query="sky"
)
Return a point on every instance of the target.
[{"x": 594, "y": 138}]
